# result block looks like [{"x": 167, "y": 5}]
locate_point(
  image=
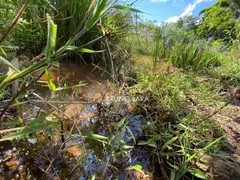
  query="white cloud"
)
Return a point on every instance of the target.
[
  {"x": 153, "y": 1},
  {"x": 158, "y": 24},
  {"x": 172, "y": 19},
  {"x": 187, "y": 11}
]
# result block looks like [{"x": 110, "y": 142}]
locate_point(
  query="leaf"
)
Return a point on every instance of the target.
[
  {"x": 128, "y": 147},
  {"x": 82, "y": 50},
  {"x": 131, "y": 133},
  {"x": 198, "y": 173},
  {"x": 142, "y": 143},
  {"x": 72, "y": 48},
  {"x": 6, "y": 62},
  {"x": 70, "y": 87},
  {"x": 2, "y": 78},
  {"x": 191, "y": 116},
  {"x": 126, "y": 8},
  {"x": 51, "y": 38},
  {"x": 180, "y": 173},
  {"x": 212, "y": 143},
  {"x": 204, "y": 149},
  {"x": 3, "y": 94},
  {"x": 120, "y": 123},
  {"x": 169, "y": 142},
  {"x": 137, "y": 167},
  {"x": 4, "y": 53},
  {"x": 25, "y": 132},
  {"x": 97, "y": 137},
  {"x": 51, "y": 85},
  {"x": 173, "y": 166},
  {"x": 38, "y": 120},
  {"x": 34, "y": 126},
  {"x": 120, "y": 136},
  {"x": 13, "y": 122},
  {"x": 96, "y": 14}
]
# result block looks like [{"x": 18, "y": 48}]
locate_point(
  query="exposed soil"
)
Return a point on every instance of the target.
[{"x": 232, "y": 130}]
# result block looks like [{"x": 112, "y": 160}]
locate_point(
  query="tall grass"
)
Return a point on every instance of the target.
[
  {"x": 178, "y": 46},
  {"x": 140, "y": 39},
  {"x": 184, "y": 49},
  {"x": 230, "y": 68}
]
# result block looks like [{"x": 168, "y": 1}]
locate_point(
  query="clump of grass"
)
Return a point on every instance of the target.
[
  {"x": 177, "y": 128},
  {"x": 184, "y": 49},
  {"x": 162, "y": 88},
  {"x": 230, "y": 68},
  {"x": 178, "y": 46}
]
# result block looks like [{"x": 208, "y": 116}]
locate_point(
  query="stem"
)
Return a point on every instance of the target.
[{"x": 10, "y": 29}]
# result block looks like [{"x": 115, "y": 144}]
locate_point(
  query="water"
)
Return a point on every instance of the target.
[{"x": 80, "y": 158}]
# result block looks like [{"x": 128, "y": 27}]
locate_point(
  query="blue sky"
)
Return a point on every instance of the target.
[{"x": 171, "y": 10}]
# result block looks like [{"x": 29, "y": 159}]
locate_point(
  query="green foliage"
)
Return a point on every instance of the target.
[
  {"x": 188, "y": 22},
  {"x": 117, "y": 25},
  {"x": 218, "y": 22},
  {"x": 31, "y": 30},
  {"x": 175, "y": 43},
  {"x": 230, "y": 68},
  {"x": 177, "y": 127},
  {"x": 184, "y": 49},
  {"x": 140, "y": 39},
  {"x": 90, "y": 20},
  {"x": 237, "y": 3},
  {"x": 36, "y": 125},
  {"x": 51, "y": 38},
  {"x": 167, "y": 89}
]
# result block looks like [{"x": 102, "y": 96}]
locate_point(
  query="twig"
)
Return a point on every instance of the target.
[
  {"x": 225, "y": 105},
  {"x": 46, "y": 173},
  {"x": 9, "y": 130},
  {"x": 15, "y": 21},
  {"x": 74, "y": 124},
  {"x": 47, "y": 156},
  {"x": 59, "y": 102}
]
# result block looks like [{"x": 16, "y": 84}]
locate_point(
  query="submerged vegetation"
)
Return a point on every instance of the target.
[{"x": 88, "y": 90}]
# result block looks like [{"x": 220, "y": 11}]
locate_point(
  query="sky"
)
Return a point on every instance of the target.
[{"x": 171, "y": 10}]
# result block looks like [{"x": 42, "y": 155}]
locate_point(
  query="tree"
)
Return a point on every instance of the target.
[
  {"x": 237, "y": 3},
  {"x": 218, "y": 22},
  {"x": 188, "y": 22}
]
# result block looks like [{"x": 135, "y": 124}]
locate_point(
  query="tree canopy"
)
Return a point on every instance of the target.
[{"x": 219, "y": 21}]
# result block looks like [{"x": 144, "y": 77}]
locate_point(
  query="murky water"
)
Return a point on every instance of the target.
[
  {"x": 73, "y": 73},
  {"x": 80, "y": 158}
]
